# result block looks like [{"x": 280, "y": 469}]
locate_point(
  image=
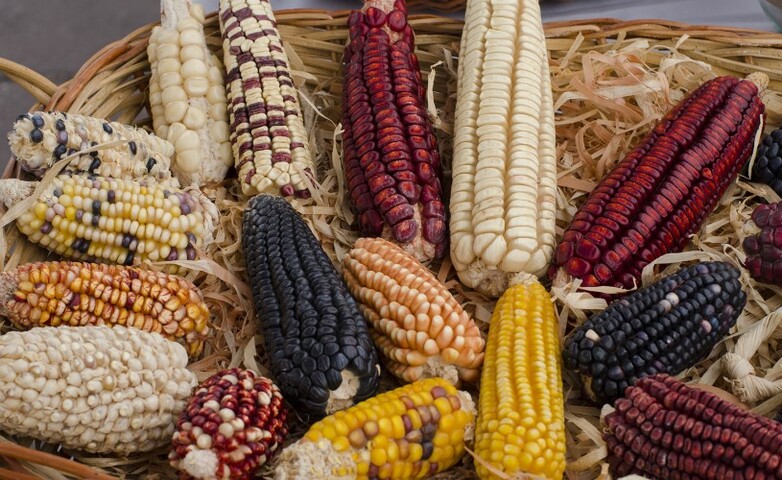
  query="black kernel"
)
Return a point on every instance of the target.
[
  {"x": 150, "y": 163},
  {"x": 132, "y": 146},
  {"x": 107, "y": 128},
  {"x": 37, "y": 121},
  {"x": 59, "y": 151},
  {"x": 36, "y": 136},
  {"x": 59, "y": 124}
]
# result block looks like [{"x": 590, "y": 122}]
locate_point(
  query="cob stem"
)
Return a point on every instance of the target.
[
  {"x": 172, "y": 11},
  {"x": 12, "y": 450}
]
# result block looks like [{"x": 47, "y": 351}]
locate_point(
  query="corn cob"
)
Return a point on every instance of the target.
[
  {"x": 46, "y": 294},
  {"x": 664, "y": 429},
  {"x": 40, "y": 139},
  {"x": 391, "y": 160},
  {"x": 767, "y": 166},
  {"x": 418, "y": 326},
  {"x": 521, "y": 414},
  {"x": 412, "y": 432},
  {"x": 117, "y": 221},
  {"x": 232, "y": 425},
  {"x": 270, "y": 143},
  {"x": 764, "y": 248},
  {"x": 664, "y": 328},
  {"x": 317, "y": 340},
  {"x": 97, "y": 389},
  {"x": 187, "y": 94},
  {"x": 503, "y": 197},
  {"x": 659, "y": 195}
]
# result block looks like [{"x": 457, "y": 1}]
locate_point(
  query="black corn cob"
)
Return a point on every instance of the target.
[
  {"x": 663, "y": 328},
  {"x": 317, "y": 340},
  {"x": 768, "y": 161}
]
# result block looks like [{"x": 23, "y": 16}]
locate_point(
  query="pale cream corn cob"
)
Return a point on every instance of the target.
[
  {"x": 503, "y": 197},
  {"x": 187, "y": 95},
  {"x": 270, "y": 143},
  {"x": 39, "y": 139},
  {"x": 100, "y": 389}
]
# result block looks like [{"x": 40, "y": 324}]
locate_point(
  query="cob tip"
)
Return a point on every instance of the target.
[
  {"x": 760, "y": 80},
  {"x": 13, "y": 190},
  {"x": 7, "y": 287},
  {"x": 345, "y": 395},
  {"x": 200, "y": 464}
]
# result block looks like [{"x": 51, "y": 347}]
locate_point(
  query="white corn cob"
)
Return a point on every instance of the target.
[
  {"x": 187, "y": 94},
  {"x": 39, "y": 139},
  {"x": 270, "y": 143},
  {"x": 99, "y": 389},
  {"x": 504, "y": 163}
]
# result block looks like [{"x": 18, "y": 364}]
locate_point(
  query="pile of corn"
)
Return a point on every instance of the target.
[{"x": 99, "y": 361}]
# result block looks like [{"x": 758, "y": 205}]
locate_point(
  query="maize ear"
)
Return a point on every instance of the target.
[
  {"x": 412, "y": 432},
  {"x": 503, "y": 197},
  {"x": 232, "y": 425},
  {"x": 115, "y": 221},
  {"x": 39, "y": 139},
  {"x": 661, "y": 193},
  {"x": 97, "y": 389},
  {"x": 319, "y": 348},
  {"x": 521, "y": 411},
  {"x": 764, "y": 248},
  {"x": 75, "y": 294},
  {"x": 187, "y": 95},
  {"x": 663, "y": 429},
  {"x": 417, "y": 324},
  {"x": 767, "y": 166},
  {"x": 391, "y": 161},
  {"x": 270, "y": 143}
]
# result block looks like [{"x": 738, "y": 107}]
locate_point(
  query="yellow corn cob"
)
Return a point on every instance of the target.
[
  {"x": 418, "y": 326},
  {"x": 270, "y": 143},
  {"x": 412, "y": 432},
  {"x": 76, "y": 294},
  {"x": 521, "y": 412},
  {"x": 187, "y": 94},
  {"x": 39, "y": 139},
  {"x": 503, "y": 197},
  {"x": 115, "y": 221}
]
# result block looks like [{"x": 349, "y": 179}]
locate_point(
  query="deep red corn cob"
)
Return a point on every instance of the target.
[
  {"x": 661, "y": 193},
  {"x": 764, "y": 250},
  {"x": 390, "y": 152},
  {"x": 666, "y": 430}
]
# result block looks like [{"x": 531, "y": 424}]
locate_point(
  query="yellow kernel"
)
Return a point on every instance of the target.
[
  {"x": 379, "y": 456},
  {"x": 416, "y": 452},
  {"x": 386, "y": 428},
  {"x": 340, "y": 444},
  {"x": 314, "y": 435},
  {"x": 398, "y": 426}
]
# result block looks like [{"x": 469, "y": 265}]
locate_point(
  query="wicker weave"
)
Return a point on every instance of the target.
[
  {"x": 112, "y": 83},
  {"x": 441, "y": 5}
]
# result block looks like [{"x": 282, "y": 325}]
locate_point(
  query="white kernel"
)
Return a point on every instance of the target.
[
  {"x": 194, "y": 69},
  {"x": 191, "y": 52},
  {"x": 226, "y": 429},
  {"x": 168, "y": 80},
  {"x": 196, "y": 86}
]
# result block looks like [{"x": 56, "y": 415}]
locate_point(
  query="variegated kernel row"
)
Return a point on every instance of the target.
[
  {"x": 417, "y": 324},
  {"x": 187, "y": 95}
]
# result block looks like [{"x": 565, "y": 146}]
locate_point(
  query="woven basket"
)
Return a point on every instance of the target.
[
  {"x": 655, "y": 61},
  {"x": 441, "y": 5}
]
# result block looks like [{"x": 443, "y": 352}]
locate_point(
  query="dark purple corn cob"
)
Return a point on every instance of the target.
[
  {"x": 661, "y": 193},
  {"x": 663, "y": 429},
  {"x": 768, "y": 161},
  {"x": 664, "y": 328},
  {"x": 764, "y": 250},
  {"x": 390, "y": 152}
]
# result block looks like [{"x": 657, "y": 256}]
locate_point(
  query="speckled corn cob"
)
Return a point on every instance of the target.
[
  {"x": 521, "y": 415},
  {"x": 391, "y": 160},
  {"x": 187, "y": 94},
  {"x": 75, "y": 294},
  {"x": 99, "y": 389},
  {"x": 764, "y": 248},
  {"x": 319, "y": 348},
  {"x": 661, "y": 193},
  {"x": 40, "y": 139},
  {"x": 270, "y": 144},
  {"x": 412, "y": 432},
  {"x": 666, "y": 327},
  {"x": 417, "y": 324},
  {"x": 115, "y": 221},
  {"x": 233, "y": 424},
  {"x": 666, "y": 430}
]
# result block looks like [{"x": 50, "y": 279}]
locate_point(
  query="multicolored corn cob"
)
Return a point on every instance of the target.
[
  {"x": 93, "y": 218},
  {"x": 664, "y": 429},
  {"x": 391, "y": 160},
  {"x": 767, "y": 167},
  {"x": 270, "y": 143},
  {"x": 317, "y": 341},
  {"x": 98, "y": 389},
  {"x": 764, "y": 248},
  {"x": 661, "y": 193},
  {"x": 39, "y": 139},
  {"x": 417, "y": 324},
  {"x": 666, "y": 327},
  {"x": 521, "y": 412},
  {"x": 503, "y": 198},
  {"x": 75, "y": 294},
  {"x": 412, "y": 432},
  {"x": 232, "y": 425},
  {"x": 187, "y": 94}
]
